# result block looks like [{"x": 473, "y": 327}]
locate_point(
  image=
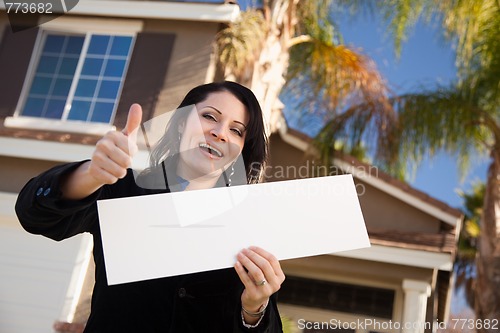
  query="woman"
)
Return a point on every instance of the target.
[{"x": 200, "y": 146}]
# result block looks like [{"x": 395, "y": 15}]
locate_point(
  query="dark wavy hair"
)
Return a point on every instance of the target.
[{"x": 255, "y": 148}]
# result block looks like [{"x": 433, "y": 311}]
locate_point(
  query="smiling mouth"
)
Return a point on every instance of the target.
[{"x": 211, "y": 150}]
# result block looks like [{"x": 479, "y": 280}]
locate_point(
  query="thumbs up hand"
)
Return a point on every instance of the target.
[
  {"x": 110, "y": 160},
  {"x": 113, "y": 153}
]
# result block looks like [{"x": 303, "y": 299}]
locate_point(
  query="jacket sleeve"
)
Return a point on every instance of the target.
[
  {"x": 42, "y": 211},
  {"x": 271, "y": 323}
]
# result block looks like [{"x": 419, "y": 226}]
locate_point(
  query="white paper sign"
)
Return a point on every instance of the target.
[{"x": 170, "y": 234}]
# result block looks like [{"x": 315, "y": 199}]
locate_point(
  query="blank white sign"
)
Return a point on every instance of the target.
[{"x": 171, "y": 234}]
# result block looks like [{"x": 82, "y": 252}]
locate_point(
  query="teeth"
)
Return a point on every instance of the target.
[{"x": 211, "y": 149}]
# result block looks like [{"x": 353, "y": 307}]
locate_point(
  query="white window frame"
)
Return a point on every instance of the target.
[{"x": 69, "y": 25}]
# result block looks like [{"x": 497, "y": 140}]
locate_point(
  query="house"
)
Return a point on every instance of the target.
[
  {"x": 64, "y": 84},
  {"x": 402, "y": 283},
  {"x": 72, "y": 78}
]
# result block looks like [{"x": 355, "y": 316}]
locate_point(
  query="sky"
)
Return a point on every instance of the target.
[{"x": 426, "y": 59}]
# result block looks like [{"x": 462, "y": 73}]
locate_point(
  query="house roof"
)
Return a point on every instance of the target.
[
  {"x": 441, "y": 242},
  {"x": 222, "y": 12},
  {"x": 385, "y": 177}
]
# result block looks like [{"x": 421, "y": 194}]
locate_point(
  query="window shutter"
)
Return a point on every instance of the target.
[
  {"x": 146, "y": 74},
  {"x": 16, "y": 50}
]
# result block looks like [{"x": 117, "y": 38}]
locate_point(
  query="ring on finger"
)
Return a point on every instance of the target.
[{"x": 261, "y": 283}]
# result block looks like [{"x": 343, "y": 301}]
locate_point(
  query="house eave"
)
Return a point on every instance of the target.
[
  {"x": 55, "y": 151},
  {"x": 221, "y": 13},
  {"x": 369, "y": 178},
  {"x": 399, "y": 256}
]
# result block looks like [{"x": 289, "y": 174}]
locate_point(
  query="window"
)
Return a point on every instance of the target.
[
  {"x": 77, "y": 77},
  {"x": 335, "y": 296}
]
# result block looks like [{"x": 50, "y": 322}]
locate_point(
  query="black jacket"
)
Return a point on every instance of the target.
[{"x": 201, "y": 302}]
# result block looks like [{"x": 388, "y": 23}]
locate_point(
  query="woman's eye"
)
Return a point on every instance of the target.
[
  {"x": 237, "y": 131},
  {"x": 209, "y": 117}
]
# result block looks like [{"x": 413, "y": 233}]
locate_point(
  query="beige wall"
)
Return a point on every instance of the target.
[
  {"x": 385, "y": 212},
  {"x": 380, "y": 210},
  {"x": 15, "y": 172},
  {"x": 190, "y": 61}
]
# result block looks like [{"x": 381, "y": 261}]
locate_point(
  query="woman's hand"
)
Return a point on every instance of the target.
[
  {"x": 110, "y": 160},
  {"x": 262, "y": 276},
  {"x": 113, "y": 153}
]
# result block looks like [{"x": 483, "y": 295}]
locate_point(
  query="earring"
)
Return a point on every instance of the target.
[{"x": 228, "y": 180}]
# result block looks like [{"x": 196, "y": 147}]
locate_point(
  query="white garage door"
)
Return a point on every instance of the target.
[{"x": 40, "y": 279}]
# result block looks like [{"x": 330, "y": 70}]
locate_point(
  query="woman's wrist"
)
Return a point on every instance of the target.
[
  {"x": 79, "y": 183},
  {"x": 259, "y": 312},
  {"x": 252, "y": 316}
]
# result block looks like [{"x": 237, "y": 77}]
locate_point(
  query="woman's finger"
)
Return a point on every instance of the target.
[
  {"x": 254, "y": 271},
  {"x": 265, "y": 266},
  {"x": 273, "y": 261},
  {"x": 242, "y": 273}
]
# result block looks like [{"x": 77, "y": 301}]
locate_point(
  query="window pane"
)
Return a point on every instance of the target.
[
  {"x": 54, "y": 43},
  {"x": 55, "y": 109},
  {"x": 79, "y": 110},
  {"x": 121, "y": 45},
  {"x": 86, "y": 88},
  {"x": 61, "y": 87},
  {"x": 33, "y": 107},
  {"x": 92, "y": 66},
  {"x": 98, "y": 44},
  {"x": 47, "y": 64},
  {"x": 114, "y": 68},
  {"x": 75, "y": 44},
  {"x": 102, "y": 112},
  {"x": 40, "y": 85},
  {"x": 98, "y": 81},
  {"x": 109, "y": 89},
  {"x": 68, "y": 66}
]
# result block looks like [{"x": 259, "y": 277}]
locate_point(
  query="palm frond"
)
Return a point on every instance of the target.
[
  {"x": 401, "y": 15},
  {"x": 315, "y": 20},
  {"x": 447, "y": 118},
  {"x": 239, "y": 44},
  {"x": 345, "y": 87},
  {"x": 475, "y": 24},
  {"x": 336, "y": 73},
  {"x": 444, "y": 119}
]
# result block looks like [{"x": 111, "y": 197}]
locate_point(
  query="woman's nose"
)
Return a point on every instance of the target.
[{"x": 219, "y": 133}]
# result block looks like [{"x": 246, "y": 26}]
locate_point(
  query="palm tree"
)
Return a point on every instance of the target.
[
  {"x": 465, "y": 267},
  {"x": 295, "y": 42},
  {"x": 462, "y": 118}
]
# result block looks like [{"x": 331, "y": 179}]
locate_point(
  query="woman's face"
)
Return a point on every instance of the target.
[{"x": 213, "y": 136}]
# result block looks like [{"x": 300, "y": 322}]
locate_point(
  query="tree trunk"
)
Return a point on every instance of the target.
[
  {"x": 487, "y": 305},
  {"x": 268, "y": 79}
]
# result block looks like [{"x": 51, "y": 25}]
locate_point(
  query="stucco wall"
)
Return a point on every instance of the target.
[
  {"x": 380, "y": 210},
  {"x": 190, "y": 60}
]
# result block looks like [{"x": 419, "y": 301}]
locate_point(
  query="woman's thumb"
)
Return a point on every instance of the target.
[{"x": 133, "y": 120}]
